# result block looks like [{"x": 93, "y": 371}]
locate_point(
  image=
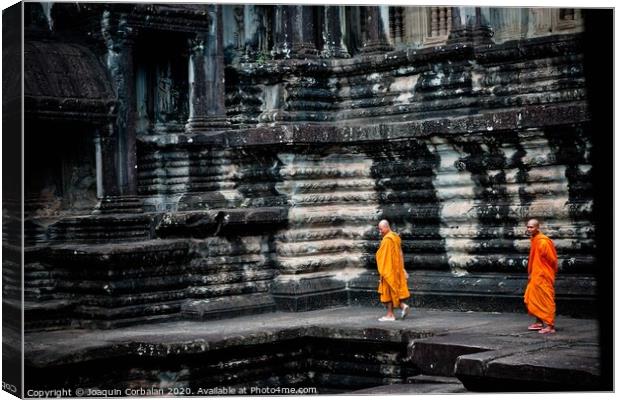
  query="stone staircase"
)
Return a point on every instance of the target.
[{"x": 119, "y": 205}]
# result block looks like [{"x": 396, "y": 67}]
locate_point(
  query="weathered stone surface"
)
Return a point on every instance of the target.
[
  {"x": 412, "y": 389},
  {"x": 113, "y": 285},
  {"x": 438, "y": 355},
  {"x": 228, "y": 306},
  {"x": 532, "y": 368},
  {"x": 335, "y": 350}
]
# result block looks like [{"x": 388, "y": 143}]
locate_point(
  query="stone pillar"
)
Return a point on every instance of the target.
[
  {"x": 294, "y": 32},
  {"x": 482, "y": 32},
  {"x": 206, "y": 77},
  {"x": 333, "y": 31},
  {"x": 119, "y": 143},
  {"x": 105, "y": 161},
  {"x": 283, "y": 31},
  {"x": 470, "y": 24},
  {"x": 304, "y": 43},
  {"x": 375, "y": 36},
  {"x": 126, "y": 121},
  {"x": 251, "y": 28},
  {"x": 458, "y": 26}
]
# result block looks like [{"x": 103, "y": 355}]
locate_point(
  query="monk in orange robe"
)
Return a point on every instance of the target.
[
  {"x": 542, "y": 267},
  {"x": 392, "y": 275}
]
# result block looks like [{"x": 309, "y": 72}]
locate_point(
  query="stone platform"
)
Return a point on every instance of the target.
[{"x": 338, "y": 350}]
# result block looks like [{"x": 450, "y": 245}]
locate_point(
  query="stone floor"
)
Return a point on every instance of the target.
[{"x": 485, "y": 351}]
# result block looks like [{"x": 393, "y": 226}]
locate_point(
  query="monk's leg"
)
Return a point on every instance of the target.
[{"x": 390, "y": 300}]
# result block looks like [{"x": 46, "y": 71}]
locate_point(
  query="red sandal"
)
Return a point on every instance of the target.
[
  {"x": 535, "y": 327},
  {"x": 547, "y": 330}
]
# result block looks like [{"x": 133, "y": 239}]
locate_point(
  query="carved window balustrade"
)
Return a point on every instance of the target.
[
  {"x": 547, "y": 21},
  {"x": 567, "y": 19},
  {"x": 397, "y": 28}
]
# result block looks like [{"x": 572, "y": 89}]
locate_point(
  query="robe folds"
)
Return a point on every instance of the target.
[
  {"x": 542, "y": 267},
  {"x": 390, "y": 263}
]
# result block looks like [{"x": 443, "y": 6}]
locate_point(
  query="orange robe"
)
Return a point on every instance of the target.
[
  {"x": 541, "y": 268},
  {"x": 390, "y": 263}
]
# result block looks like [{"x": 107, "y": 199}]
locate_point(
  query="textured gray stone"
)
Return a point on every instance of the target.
[{"x": 337, "y": 350}]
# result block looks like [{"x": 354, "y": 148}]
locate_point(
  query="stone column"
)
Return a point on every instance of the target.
[
  {"x": 283, "y": 31},
  {"x": 105, "y": 161},
  {"x": 334, "y": 31},
  {"x": 294, "y": 32},
  {"x": 206, "y": 77},
  {"x": 304, "y": 44},
  {"x": 375, "y": 37},
  {"x": 126, "y": 121},
  {"x": 116, "y": 141},
  {"x": 251, "y": 27},
  {"x": 470, "y": 24},
  {"x": 483, "y": 29}
]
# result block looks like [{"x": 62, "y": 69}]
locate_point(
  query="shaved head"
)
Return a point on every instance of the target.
[
  {"x": 532, "y": 227},
  {"x": 384, "y": 227},
  {"x": 533, "y": 222}
]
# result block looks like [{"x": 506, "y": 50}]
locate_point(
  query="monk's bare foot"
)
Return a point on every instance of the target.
[
  {"x": 546, "y": 330},
  {"x": 387, "y": 318},
  {"x": 535, "y": 327}
]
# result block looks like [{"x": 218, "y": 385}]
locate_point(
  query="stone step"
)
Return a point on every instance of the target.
[
  {"x": 421, "y": 378},
  {"x": 101, "y": 227},
  {"x": 412, "y": 388},
  {"x": 119, "y": 205},
  {"x": 539, "y": 367},
  {"x": 49, "y": 314},
  {"x": 436, "y": 356},
  {"x": 227, "y": 307}
]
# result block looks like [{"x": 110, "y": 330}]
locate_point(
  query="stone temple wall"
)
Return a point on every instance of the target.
[{"x": 270, "y": 198}]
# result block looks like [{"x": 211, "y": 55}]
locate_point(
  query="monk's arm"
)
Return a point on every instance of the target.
[
  {"x": 402, "y": 257},
  {"x": 546, "y": 252}
]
